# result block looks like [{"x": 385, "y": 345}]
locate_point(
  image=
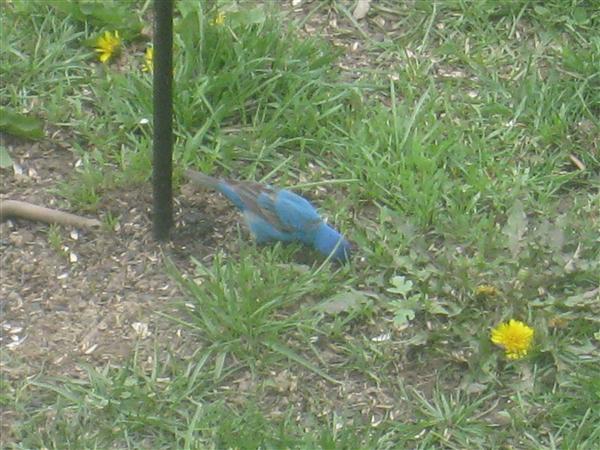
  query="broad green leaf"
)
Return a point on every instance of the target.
[
  {"x": 442, "y": 307},
  {"x": 515, "y": 228},
  {"x": 189, "y": 28},
  {"x": 343, "y": 302},
  {"x": 580, "y": 15},
  {"x": 21, "y": 125},
  {"x": 400, "y": 285},
  {"x": 115, "y": 15},
  {"x": 435, "y": 307},
  {"x": 403, "y": 313},
  {"x": 252, "y": 16},
  {"x": 589, "y": 299},
  {"x": 5, "y": 159}
]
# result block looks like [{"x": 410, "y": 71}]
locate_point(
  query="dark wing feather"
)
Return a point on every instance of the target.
[{"x": 249, "y": 193}]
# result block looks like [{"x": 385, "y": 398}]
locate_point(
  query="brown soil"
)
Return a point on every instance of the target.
[{"x": 69, "y": 296}]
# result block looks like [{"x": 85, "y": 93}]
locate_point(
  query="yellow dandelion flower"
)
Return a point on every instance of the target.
[
  {"x": 219, "y": 18},
  {"x": 486, "y": 290},
  {"x": 108, "y": 46},
  {"x": 148, "y": 65},
  {"x": 515, "y": 337}
]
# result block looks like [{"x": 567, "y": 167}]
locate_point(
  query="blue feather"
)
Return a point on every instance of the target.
[{"x": 278, "y": 215}]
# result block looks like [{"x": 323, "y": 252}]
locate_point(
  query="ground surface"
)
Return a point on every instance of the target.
[
  {"x": 456, "y": 144},
  {"x": 58, "y": 311}
]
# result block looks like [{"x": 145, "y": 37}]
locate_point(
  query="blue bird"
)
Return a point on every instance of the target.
[{"x": 278, "y": 215}]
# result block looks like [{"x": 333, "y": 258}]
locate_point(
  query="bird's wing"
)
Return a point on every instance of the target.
[
  {"x": 292, "y": 210},
  {"x": 284, "y": 210},
  {"x": 259, "y": 200}
]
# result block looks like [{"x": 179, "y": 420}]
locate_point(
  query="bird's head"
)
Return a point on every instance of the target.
[{"x": 329, "y": 242}]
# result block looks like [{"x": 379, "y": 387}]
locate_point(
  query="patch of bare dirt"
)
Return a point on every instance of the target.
[{"x": 69, "y": 296}]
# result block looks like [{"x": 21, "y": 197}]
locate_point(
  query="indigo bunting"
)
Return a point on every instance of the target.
[{"x": 278, "y": 215}]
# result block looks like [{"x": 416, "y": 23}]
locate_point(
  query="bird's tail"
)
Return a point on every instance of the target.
[{"x": 201, "y": 179}]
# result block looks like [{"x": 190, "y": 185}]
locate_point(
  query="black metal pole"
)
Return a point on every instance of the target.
[{"x": 162, "y": 164}]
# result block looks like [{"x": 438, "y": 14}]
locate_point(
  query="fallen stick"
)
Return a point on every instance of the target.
[{"x": 24, "y": 210}]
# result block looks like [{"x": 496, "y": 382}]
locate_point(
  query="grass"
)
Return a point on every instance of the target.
[{"x": 450, "y": 163}]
